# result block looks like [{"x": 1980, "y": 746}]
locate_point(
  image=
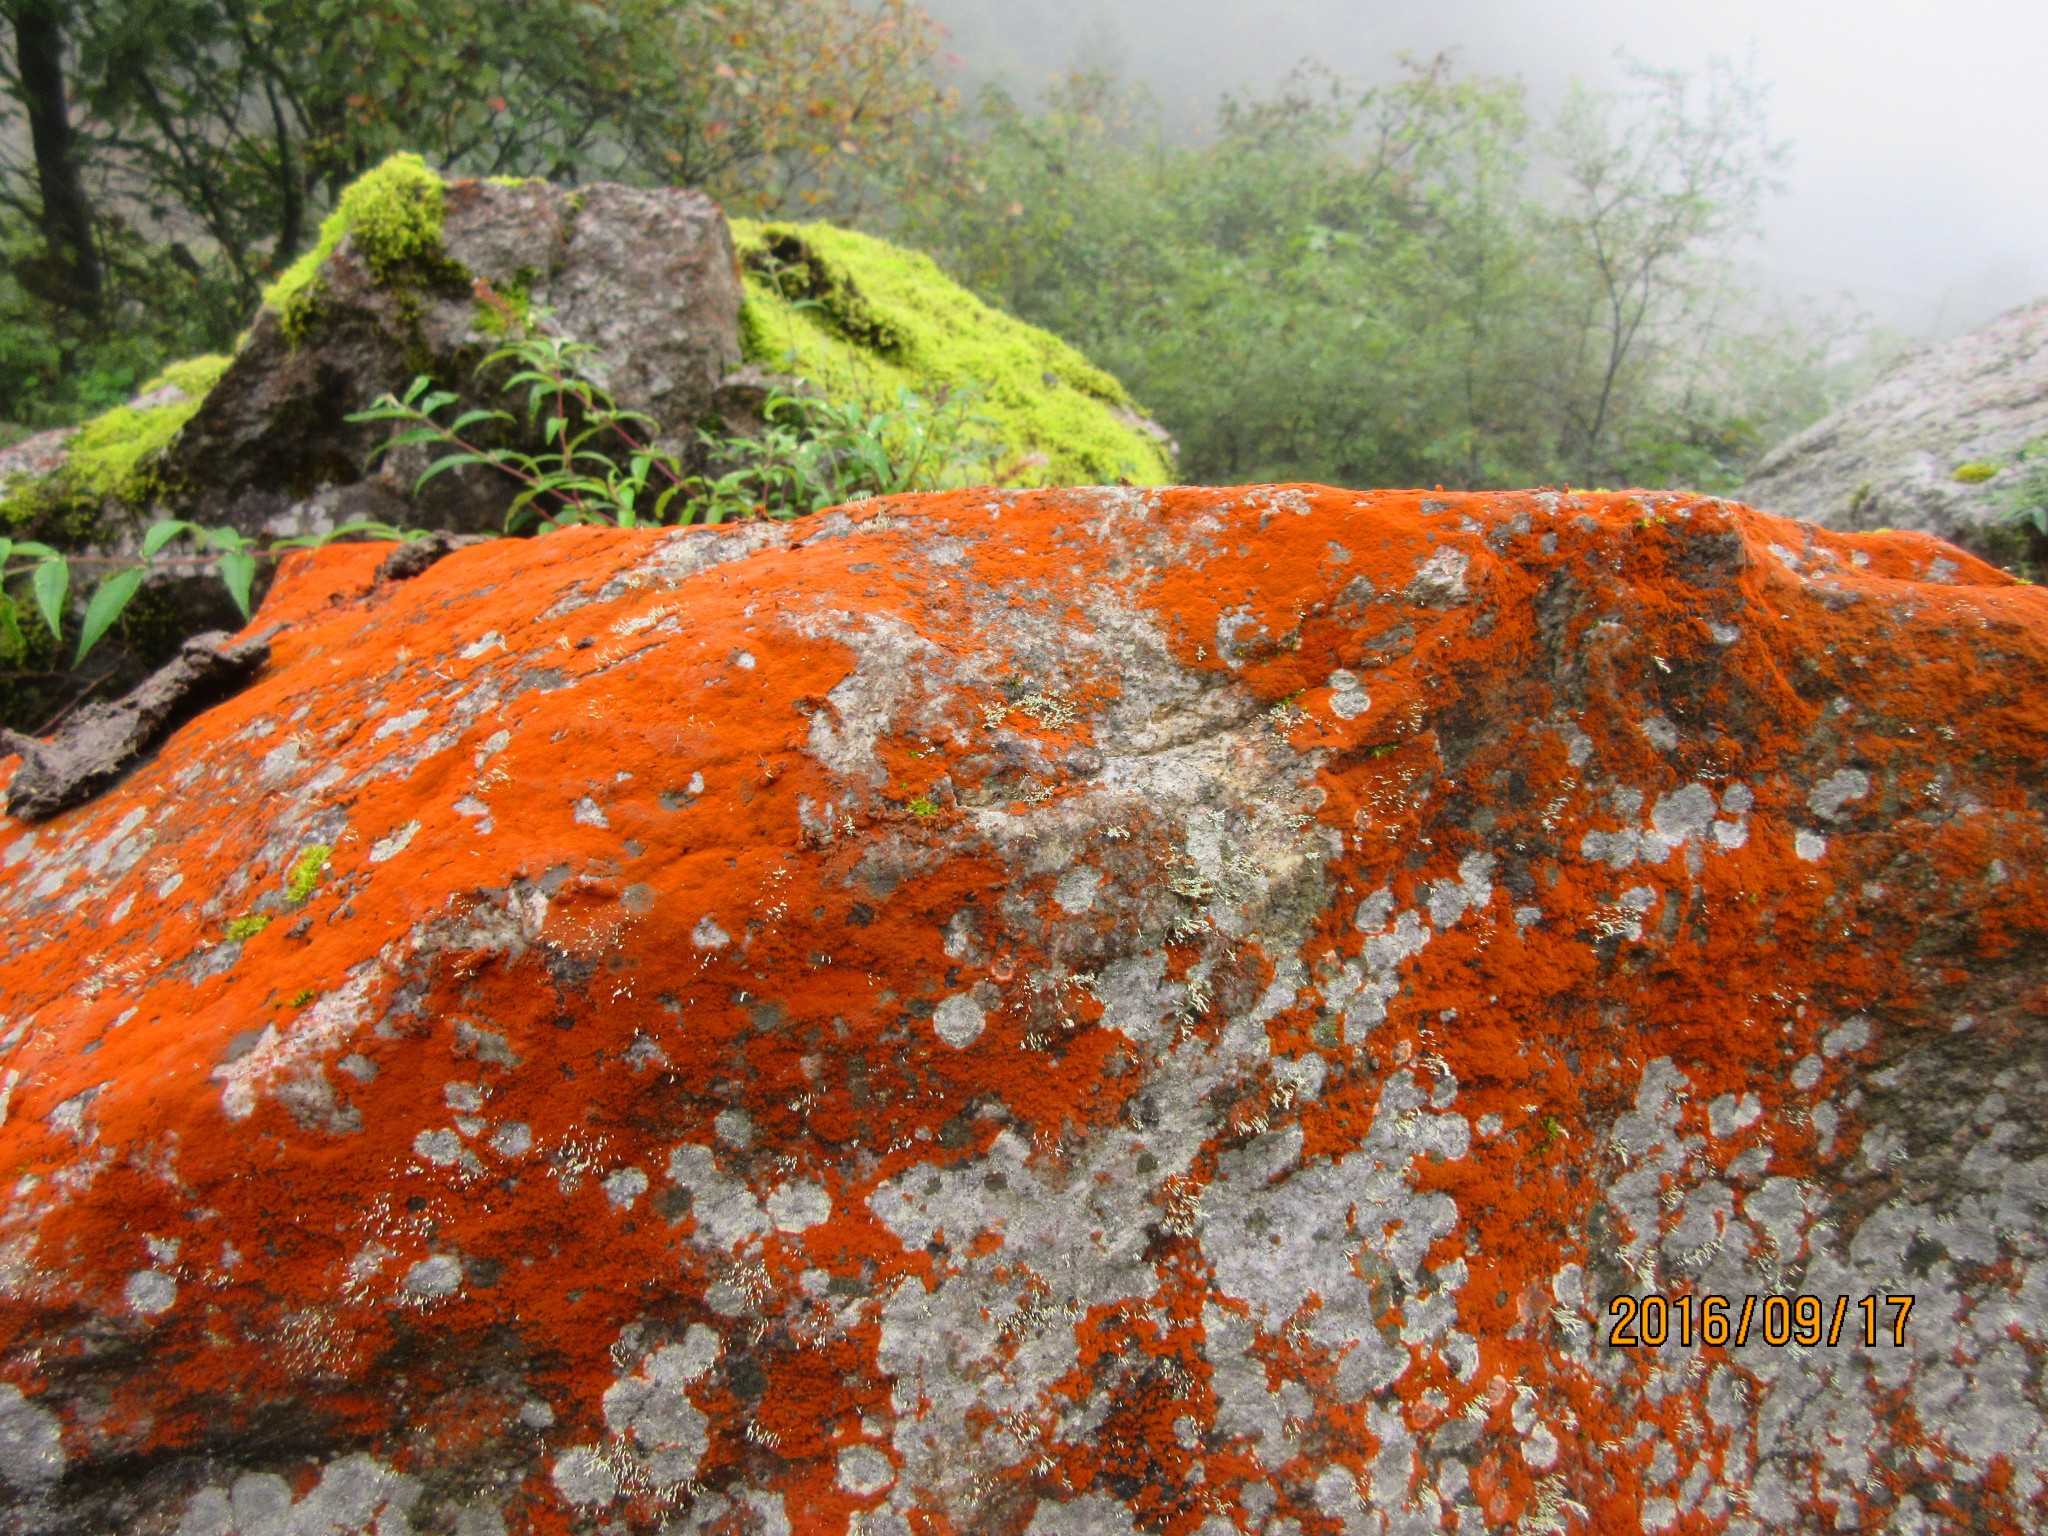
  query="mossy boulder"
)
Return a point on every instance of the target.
[
  {"x": 861, "y": 318},
  {"x": 86, "y": 490},
  {"x": 395, "y": 215},
  {"x": 59, "y": 486},
  {"x": 413, "y": 275}
]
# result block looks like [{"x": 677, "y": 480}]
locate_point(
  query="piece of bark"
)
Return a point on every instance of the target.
[
  {"x": 98, "y": 743},
  {"x": 410, "y": 559}
]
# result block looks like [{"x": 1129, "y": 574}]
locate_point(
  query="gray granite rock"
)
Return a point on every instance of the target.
[{"x": 1889, "y": 458}]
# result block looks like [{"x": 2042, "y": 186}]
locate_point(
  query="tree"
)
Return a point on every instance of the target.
[
  {"x": 71, "y": 266},
  {"x": 1407, "y": 284},
  {"x": 237, "y": 123},
  {"x": 1653, "y": 190}
]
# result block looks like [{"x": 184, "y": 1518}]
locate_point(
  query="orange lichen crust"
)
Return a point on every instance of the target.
[{"x": 1081, "y": 1011}]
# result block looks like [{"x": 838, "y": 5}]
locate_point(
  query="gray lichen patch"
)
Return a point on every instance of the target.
[{"x": 31, "y": 1442}]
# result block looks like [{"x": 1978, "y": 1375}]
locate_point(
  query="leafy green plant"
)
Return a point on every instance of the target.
[
  {"x": 2026, "y": 500},
  {"x": 232, "y": 554},
  {"x": 601, "y": 463},
  {"x": 2023, "y": 498},
  {"x": 816, "y": 454}
]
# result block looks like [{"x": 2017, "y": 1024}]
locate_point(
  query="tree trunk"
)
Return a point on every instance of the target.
[{"x": 74, "y": 261}]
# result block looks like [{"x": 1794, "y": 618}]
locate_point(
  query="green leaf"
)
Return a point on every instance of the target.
[
  {"x": 159, "y": 535},
  {"x": 471, "y": 418},
  {"x": 422, "y": 434},
  {"x": 105, "y": 608},
  {"x": 238, "y": 571},
  {"x": 446, "y": 462},
  {"x": 6, "y": 552},
  {"x": 52, "y": 587}
]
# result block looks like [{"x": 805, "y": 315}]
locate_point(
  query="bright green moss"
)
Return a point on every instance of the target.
[
  {"x": 1974, "y": 473},
  {"x": 861, "y": 318},
  {"x": 394, "y": 215},
  {"x": 248, "y": 927},
  {"x": 112, "y": 453},
  {"x": 304, "y": 876}
]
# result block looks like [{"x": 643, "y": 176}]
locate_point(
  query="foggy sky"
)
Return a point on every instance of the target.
[{"x": 1919, "y": 179}]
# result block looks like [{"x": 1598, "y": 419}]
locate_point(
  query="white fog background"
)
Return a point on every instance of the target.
[{"x": 1918, "y": 184}]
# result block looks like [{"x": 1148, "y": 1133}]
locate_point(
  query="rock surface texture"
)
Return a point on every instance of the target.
[
  {"x": 1054, "y": 1014},
  {"x": 1889, "y": 458}
]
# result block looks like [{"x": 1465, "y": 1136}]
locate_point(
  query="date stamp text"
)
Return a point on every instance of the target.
[{"x": 1650, "y": 1322}]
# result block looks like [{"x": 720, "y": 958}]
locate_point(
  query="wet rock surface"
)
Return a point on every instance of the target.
[
  {"x": 1070, "y": 1012},
  {"x": 1890, "y": 458}
]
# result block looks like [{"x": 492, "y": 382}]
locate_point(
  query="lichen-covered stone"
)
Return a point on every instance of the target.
[
  {"x": 1935, "y": 446},
  {"x": 1080, "y": 1012}
]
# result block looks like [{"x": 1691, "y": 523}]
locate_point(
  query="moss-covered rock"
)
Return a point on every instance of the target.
[
  {"x": 860, "y": 317},
  {"x": 115, "y": 454},
  {"x": 394, "y": 214},
  {"x": 416, "y": 276},
  {"x": 94, "y": 491},
  {"x": 110, "y": 469}
]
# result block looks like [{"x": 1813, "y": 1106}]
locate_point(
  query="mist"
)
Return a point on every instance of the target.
[{"x": 1917, "y": 190}]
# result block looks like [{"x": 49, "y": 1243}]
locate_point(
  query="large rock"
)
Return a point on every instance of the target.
[
  {"x": 1933, "y": 447},
  {"x": 1073, "y": 1012},
  {"x": 646, "y": 278}
]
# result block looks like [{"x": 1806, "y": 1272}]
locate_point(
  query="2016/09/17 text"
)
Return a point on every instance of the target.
[{"x": 1649, "y": 1322}]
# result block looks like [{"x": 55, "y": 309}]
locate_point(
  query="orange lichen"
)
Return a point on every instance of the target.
[{"x": 1059, "y": 908}]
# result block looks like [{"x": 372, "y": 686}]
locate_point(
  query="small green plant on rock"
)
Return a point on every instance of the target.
[
  {"x": 2026, "y": 498},
  {"x": 2025, "y": 502},
  {"x": 602, "y": 463},
  {"x": 304, "y": 876}
]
